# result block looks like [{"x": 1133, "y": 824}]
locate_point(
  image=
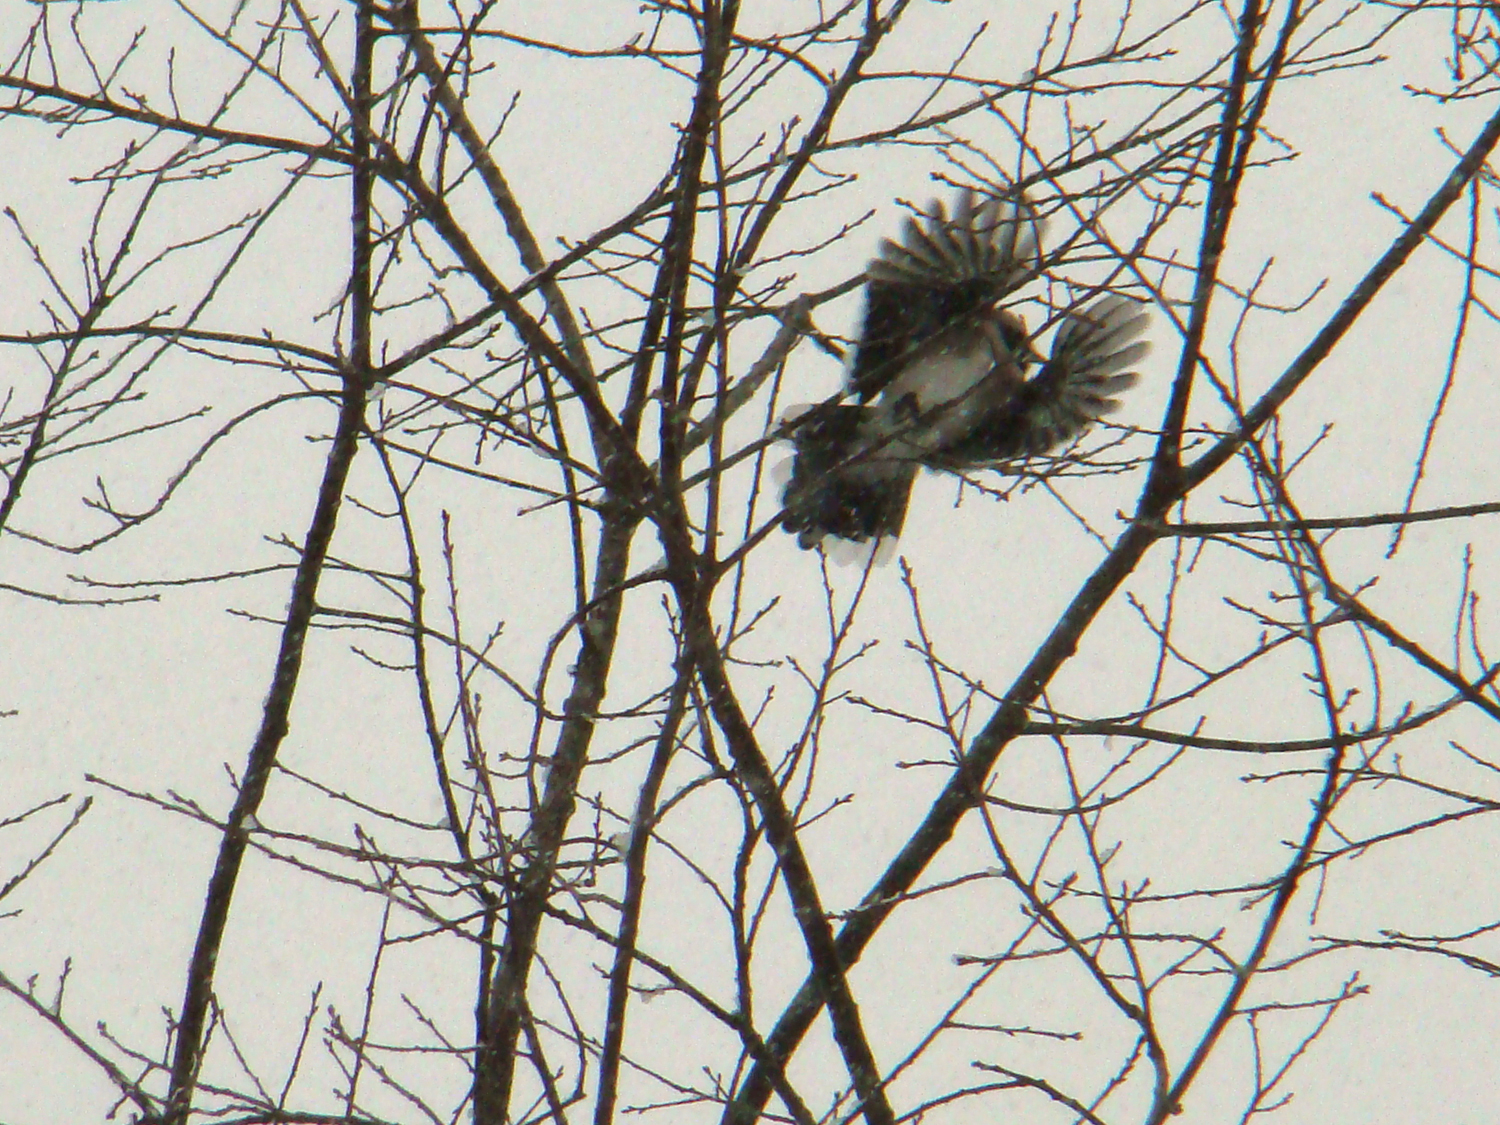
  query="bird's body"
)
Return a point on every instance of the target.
[
  {"x": 951, "y": 386},
  {"x": 939, "y": 373}
]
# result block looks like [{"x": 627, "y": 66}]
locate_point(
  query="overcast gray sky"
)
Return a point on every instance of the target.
[{"x": 158, "y": 696}]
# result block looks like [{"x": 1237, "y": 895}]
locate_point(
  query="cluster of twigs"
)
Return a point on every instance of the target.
[{"x": 656, "y": 786}]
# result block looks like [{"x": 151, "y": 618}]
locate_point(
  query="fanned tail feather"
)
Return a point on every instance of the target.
[{"x": 841, "y": 485}]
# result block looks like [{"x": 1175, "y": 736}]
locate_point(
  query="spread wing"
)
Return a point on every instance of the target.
[
  {"x": 946, "y": 272},
  {"x": 1091, "y": 356}
]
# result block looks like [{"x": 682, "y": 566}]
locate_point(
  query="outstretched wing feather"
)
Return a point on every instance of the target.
[
  {"x": 1092, "y": 354},
  {"x": 944, "y": 269}
]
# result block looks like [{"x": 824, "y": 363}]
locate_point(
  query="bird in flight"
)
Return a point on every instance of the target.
[{"x": 940, "y": 372}]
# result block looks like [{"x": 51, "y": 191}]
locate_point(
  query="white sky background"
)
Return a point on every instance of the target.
[{"x": 160, "y": 696}]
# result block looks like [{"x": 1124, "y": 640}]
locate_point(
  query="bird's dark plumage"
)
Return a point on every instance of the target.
[
  {"x": 833, "y": 491},
  {"x": 942, "y": 278},
  {"x": 938, "y": 377}
]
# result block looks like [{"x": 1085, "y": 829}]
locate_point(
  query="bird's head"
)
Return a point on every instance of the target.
[{"x": 1015, "y": 337}]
